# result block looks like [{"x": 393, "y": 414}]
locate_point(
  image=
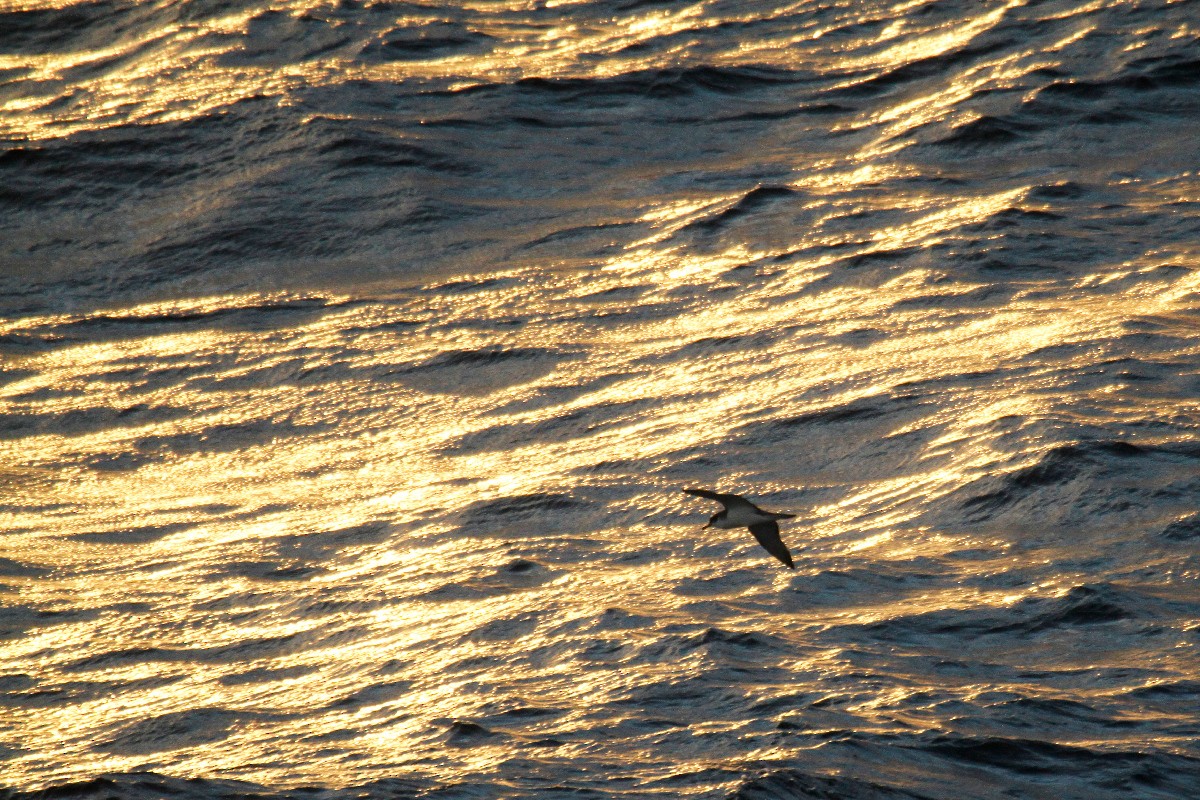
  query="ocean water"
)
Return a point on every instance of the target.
[{"x": 353, "y": 356}]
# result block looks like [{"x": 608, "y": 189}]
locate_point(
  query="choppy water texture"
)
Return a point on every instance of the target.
[{"x": 354, "y": 355}]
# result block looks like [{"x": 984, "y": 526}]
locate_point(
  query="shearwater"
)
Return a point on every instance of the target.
[{"x": 741, "y": 513}]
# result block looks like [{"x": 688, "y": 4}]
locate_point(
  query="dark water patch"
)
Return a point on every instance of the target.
[
  {"x": 567, "y": 426},
  {"x": 21, "y": 344},
  {"x": 1054, "y": 470},
  {"x": 397, "y": 326},
  {"x": 13, "y": 374},
  {"x": 519, "y": 566},
  {"x": 463, "y": 733},
  {"x": 745, "y": 642},
  {"x": 17, "y": 619},
  {"x": 795, "y": 785},
  {"x": 468, "y": 590},
  {"x": 1060, "y": 190},
  {"x": 483, "y": 370},
  {"x": 611, "y": 619},
  {"x": 987, "y": 132},
  {"x": 579, "y": 236},
  {"x": 356, "y": 146},
  {"x": 787, "y": 701},
  {"x": 522, "y": 505},
  {"x": 661, "y": 83},
  {"x": 327, "y": 603},
  {"x": 228, "y": 437},
  {"x": 694, "y": 697},
  {"x": 724, "y": 584},
  {"x": 515, "y": 711},
  {"x": 74, "y": 692},
  {"x": 149, "y": 374},
  {"x": 617, "y": 294},
  {"x": 322, "y": 544},
  {"x": 991, "y": 296},
  {"x": 550, "y": 123},
  {"x": 871, "y": 259},
  {"x": 524, "y": 573},
  {"x": 376, "y": 694},
  {"x": 85, "y": 421},
  {"x": 97, "y": 169},
  {"x": 53, "y": 30},
  {"x": 993, "y": 767},
  {"x": 1171, "y": 70},
  {"x": 319, "y": 368},
  {"x": 427, "y": 40},
  {"x": 1081, "y": 606},
  {"x": 251, "y": 317},
  {"x": 11, "y": 568},
  {"x": 860, "y": 337},
  {"x": 1042, "y": 714},
  {"x": 1170, "y": 692},
  {"x": 633, "y": 314},
  {"x": 141, "y": 534},
  {"x": 754, "y": 272},
  {"x": 506, "y": 629},
  {"x": 1134, "y": 85},
  {"x": 758, "y": 341},
  {"x": 604, "y": 650},
  {"x": 1012, "y": 259},
  {"x": 1032, "y": 756},
  {"x": 265, "y": 675},
  {"x": 142, "y": 785},
  {"x": 1182, "y": 530},
  {"x": 535, "y": 514},
  {"x": 171, "y": 731},
  {"x": 246, "y": 649},
  {"x": 1186, "y": 448},
  {"x": 273, "y": 37},
  {"x": 852, "y": 585},
  {"x": 785, "y": 112},
  {"x": 118, "y": 462},
  {"x": 1069, "y": 679},
  {"x": 238, "y": 236},
  {"x": 752, "y": 202},
  {"x": 1012, "y": 217},
  {"x": 472, "y": 285},
  {"x": 16, "y": 682},
  {"x": 873, "y": 410}
]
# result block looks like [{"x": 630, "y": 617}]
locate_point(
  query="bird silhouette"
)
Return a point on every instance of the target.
[{"x": 738, "y": 512}]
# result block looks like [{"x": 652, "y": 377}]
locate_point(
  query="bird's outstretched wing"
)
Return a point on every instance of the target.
[
  {"x": 767, "y": 534},
  {"x": 727, "y": 500}
]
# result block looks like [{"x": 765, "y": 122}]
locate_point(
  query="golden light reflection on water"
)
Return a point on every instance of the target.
[
  {"x": 191, "y": 474},
  {"x": 378, "y": 452}
]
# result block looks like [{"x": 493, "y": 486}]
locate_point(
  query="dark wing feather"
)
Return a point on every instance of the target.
[
  {"x": 727, "y": 500},
  {"x": 767, "y": 534}
]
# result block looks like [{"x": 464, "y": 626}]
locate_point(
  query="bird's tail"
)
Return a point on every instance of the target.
[{"x": 783, "y": 516}]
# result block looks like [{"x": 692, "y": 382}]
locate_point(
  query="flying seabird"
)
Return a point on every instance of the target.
[{"x": 741, "y": 513}]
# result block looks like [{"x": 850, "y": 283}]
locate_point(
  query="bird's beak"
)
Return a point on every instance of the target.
[{"x": 706, "y": 525}]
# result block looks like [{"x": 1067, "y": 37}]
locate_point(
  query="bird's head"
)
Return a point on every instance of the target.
[{"x": 714, "y": 519}]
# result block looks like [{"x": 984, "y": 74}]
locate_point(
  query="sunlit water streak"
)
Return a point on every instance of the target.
[{"x": 354, "y": 356}]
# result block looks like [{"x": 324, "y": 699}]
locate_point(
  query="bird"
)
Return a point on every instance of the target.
[{"x": 740, "y": 512}]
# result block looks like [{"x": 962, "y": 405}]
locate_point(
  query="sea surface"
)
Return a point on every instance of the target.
[{"x": 353, "y": 356}]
